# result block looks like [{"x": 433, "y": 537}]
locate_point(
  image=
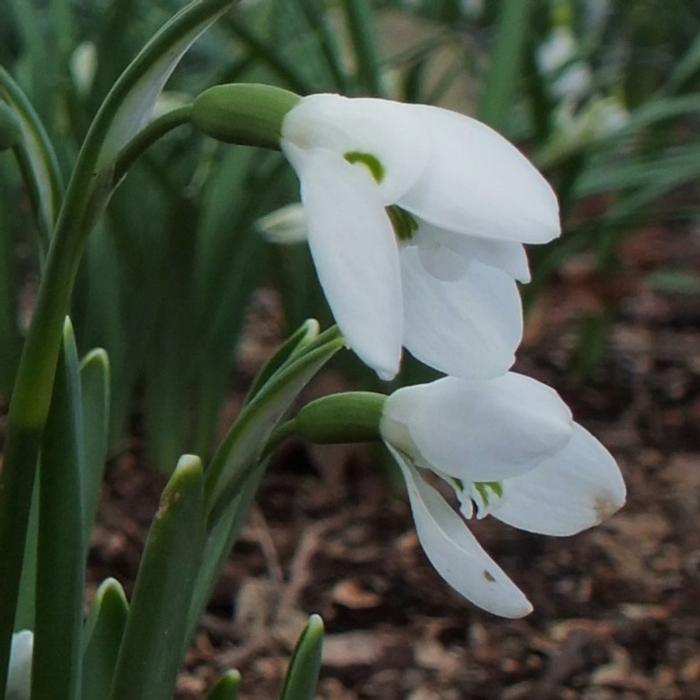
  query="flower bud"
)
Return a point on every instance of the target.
[
  {"x": 10, "y": 132},
  {"x": 349, "y": 417},
  {"x": 242, "y": 113}
]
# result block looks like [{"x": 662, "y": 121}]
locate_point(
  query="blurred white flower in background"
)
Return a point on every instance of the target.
[
  {"x": 558, "y": 57},
  {"x": 416, "y": 217},
  {"x": 19, "y": 678},
  {"x": 509, "y": 448},
  {"x": 83, "y": 66},
  {"x": 284, "y": 226}
]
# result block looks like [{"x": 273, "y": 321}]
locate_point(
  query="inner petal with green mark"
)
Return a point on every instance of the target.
[
  {"x": 481, "y": 496},
  {"x": 405, "y": 226},
  {"x": 371, "y": 162}
]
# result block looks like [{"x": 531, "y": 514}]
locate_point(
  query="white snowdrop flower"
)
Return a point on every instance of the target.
[
  {"x": 416, "y": 217},
  {"x": 509, "y": 448},
  {"x": 20, "y": 669},
  {"x": 283, "y": 226},
  {"x": 83, "y": 66},
  {"x": 558, "y": 53}
]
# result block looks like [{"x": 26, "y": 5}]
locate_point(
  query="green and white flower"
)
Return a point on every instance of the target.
[
  {"x": 509, "y": 448},
  {"x": 416, "y": 217}
]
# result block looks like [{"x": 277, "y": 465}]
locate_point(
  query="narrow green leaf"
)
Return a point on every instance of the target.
[
  {"x": 226, "y": 688},
  {"x": 61, "y": 565},
  {"x": 305, "y": 334},
  {"x": 35, "y": 155},
  {"x": 10, "y": 338},
  {"x": 131, "y": 100},
  {"x": 221, "y": 537},
  {"x": 302, "y": 675},
  {"x": 94, "y": 380},
  {"x": 505, "y": 61},
  {"x": 153, "y": 643},
  {"x": 103, "y": 635},
  {"x": 286, "y": 71},
  {"x": 360, "y": 19},
  {"x": 245, "y": 442}
]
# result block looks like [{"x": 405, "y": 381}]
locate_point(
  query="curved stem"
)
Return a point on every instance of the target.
[{"x": 147, "y": 137}]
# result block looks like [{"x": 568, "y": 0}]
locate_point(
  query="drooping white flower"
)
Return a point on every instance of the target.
[
  {"x": 20, "y": 669},
  {"x": 416, "y": 218},
  {"x": 509, "y": 448}
]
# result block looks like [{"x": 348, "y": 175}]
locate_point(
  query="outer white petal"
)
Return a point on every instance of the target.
[
  {"x": 455, "y": 552},
  {"x": 478, "y": 430},
  {"x": 390, "y": 131},
  {"x": 503, "y": 255},
  {"x": 477, "y": 183},
  {"x": 577, "y": 488},
  {"x": 355, "y": 253},
  {"x": 467, "y": 327}
]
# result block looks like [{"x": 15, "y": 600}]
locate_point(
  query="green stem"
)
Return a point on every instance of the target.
[{"x": 148, "y": 136}]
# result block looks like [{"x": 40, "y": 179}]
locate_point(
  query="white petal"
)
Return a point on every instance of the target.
[
  {"x": 503, "y": 255},
  {"x": 355, "y": 253},
  {"x": 388, "y": 130},
  {"x": 575, "y": 489},
  {"x": 467, "y": 327},
  {"x": 479, "y": 430},
  {"x": 476, "y": 182},
  {"x": 455, "y": 552}
]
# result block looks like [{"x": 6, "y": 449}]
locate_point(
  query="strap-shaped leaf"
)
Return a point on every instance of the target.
[
  {"x": 226, "y": 688},
  {"x": 35, "y": 154},
  {"x": 153, "y": 643},
  {"x": 103, "y": 635},
  {"x": 61, "y": 565},
  {"x": 94, "y": 380},
  {"x": 302, "y": 675},
  {"x": 130, "y": 102},
  {"x": 245, "y": 442},
  {"x": 276, "y": 386}
]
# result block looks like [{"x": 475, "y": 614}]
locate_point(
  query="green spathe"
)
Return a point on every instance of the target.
[
  {"x": 244, "y": 114},
  {"x": 352, "y": 416}
]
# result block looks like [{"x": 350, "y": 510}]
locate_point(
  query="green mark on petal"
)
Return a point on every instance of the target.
[
  {"x": 372, "y": 163},
  {"x": 483, "y": 487},
  {"x": 404, "y": 224}
]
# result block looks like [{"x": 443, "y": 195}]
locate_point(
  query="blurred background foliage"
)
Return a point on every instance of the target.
[{"x": 604, "y": 96}]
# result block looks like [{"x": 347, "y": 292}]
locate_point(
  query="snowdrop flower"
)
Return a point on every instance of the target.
[
  {"x": 20, "y": 670},
  {"x": 284, "y": 226},
  {"x": 557, "y": 56},
  {"x": 416, "y": 217},
  {"x": 509, "y": 448}
]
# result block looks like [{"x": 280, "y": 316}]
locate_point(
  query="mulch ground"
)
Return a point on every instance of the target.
[{"x": 616, "y": 608}]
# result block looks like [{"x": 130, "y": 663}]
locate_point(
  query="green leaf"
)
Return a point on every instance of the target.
[
  {"x": 305, "y": 334},
  {"x": 103, "y": 635},
  {"x": 302, "y": 676},
  {"x": 35, "y": 156},
  {"x": 221, "y": 537},
  {"x": 498, "y": 88},
  {"x": 153, "y": 643},
  {"x": 245, "y": 442},
  {"x": 61, "y": 565},
  {"x": 94, "y": 380},
  {"x": 241, "y": 449},
  {"x": 360, "y": 18},
  {"x": 226, "y": 688},
  {"x": 131, "y": 100}
]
